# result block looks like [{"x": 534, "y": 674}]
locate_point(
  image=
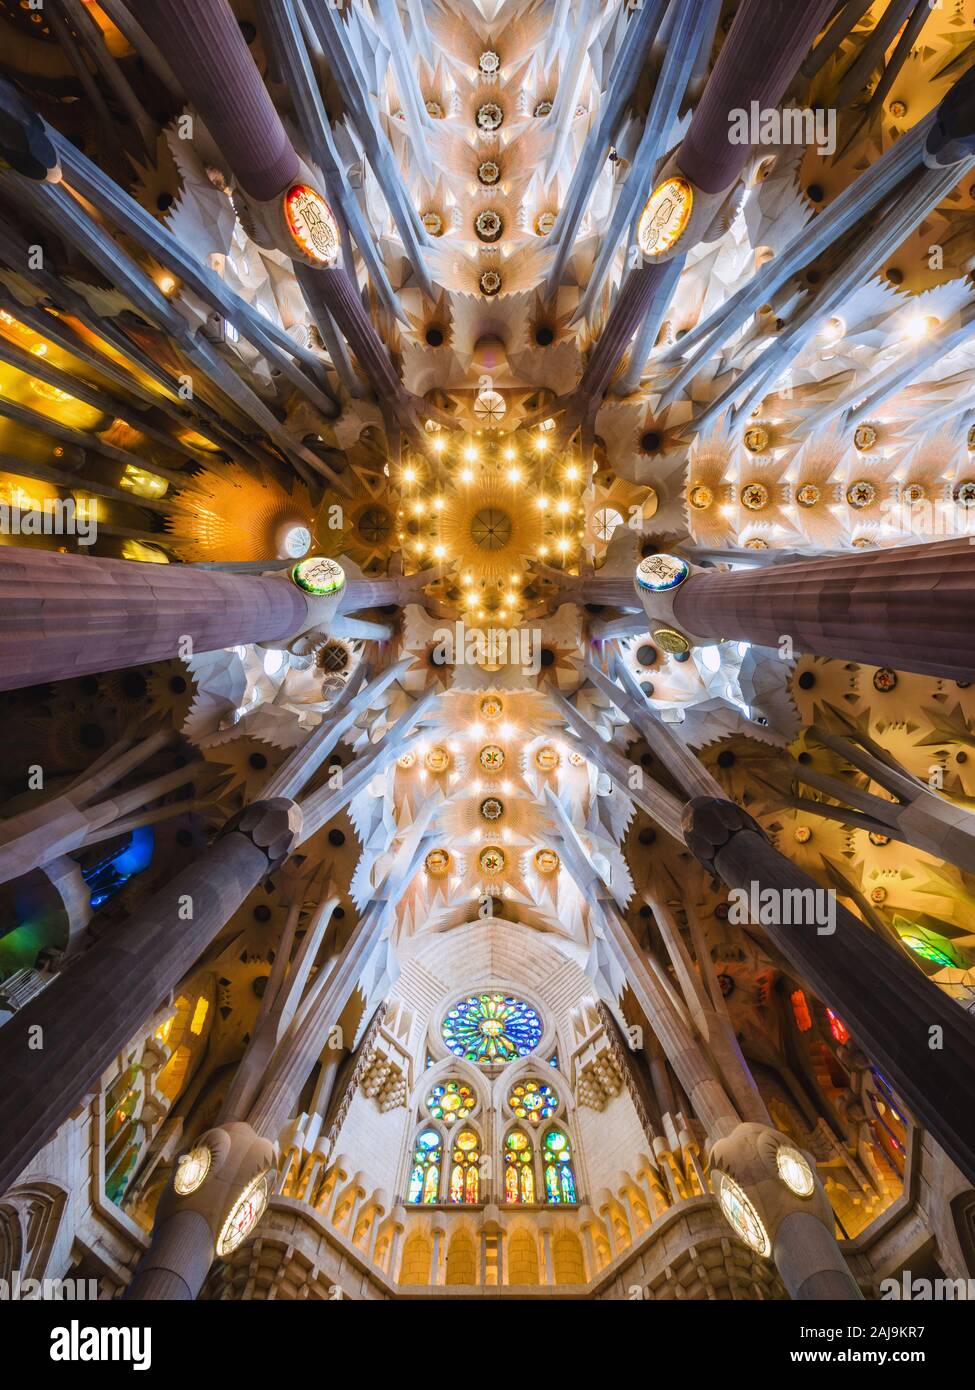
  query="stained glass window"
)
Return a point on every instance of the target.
[
  {"x": 560, "y": 1182},
  {"x": 533, "y": 1101},
  {"x": 450, "y": 1101},
  {"x": 519, "y": 1169},
  {"x": 424, "y": 1184},
  {"x": 492, "y": 1029},
  {"x": 464, "y": 1175}
]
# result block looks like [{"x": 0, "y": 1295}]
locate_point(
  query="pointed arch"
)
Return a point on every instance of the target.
[
  {"x": 558, "y": 1169},
  {"x": 518, "y": 1157},
  {"x": 423, "y": 1184},
  {"x": 465, "y": 1167}
]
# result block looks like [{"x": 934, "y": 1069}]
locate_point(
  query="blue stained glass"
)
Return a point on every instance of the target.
[
  {"x": 560, "y": 1182},
  {"x": 491, "y": 1029}
]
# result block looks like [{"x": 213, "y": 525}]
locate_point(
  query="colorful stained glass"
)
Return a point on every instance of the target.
[
  {"x": 424, "y": 1184},
  {"x": 464, "y": 1175},
  {"x": 519, "y": 1168},
  {"x": 560, "y": 1182},
  {"x": 742, "y": 1216},
  {"x": 491, "y": 1029},
  {"x": 533, "y": 1101},
  {"x": 450, "y": 1101}
]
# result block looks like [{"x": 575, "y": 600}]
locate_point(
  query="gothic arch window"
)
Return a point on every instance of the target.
[
  {"x": 519, "y": 1169},
  {"x": 557, "y": 1167},
  {"x": 465, "y": 1170},
  {"x": 424, "y": 1183}
]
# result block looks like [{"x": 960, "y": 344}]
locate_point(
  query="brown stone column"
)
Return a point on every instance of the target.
[
  {"x": 765, "y": 45},
  {"x": 202, "y": 41},
  {"x": 920, "y": 1037},
  {"x": 67, "y": 615},
  {"x": 53, "y": 1052},
  {"x": 909, "y": 607}
]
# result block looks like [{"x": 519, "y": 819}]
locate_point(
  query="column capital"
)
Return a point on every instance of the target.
[
  {"x": 273, "y": 826},
  {"x": 709, "y": 823}
]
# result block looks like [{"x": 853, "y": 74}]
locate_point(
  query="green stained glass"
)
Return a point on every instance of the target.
[
  {"x": 424, "y": 1183},
  {"x": 560, "y": 1182},
  {"x": 491, "y": 1029}
]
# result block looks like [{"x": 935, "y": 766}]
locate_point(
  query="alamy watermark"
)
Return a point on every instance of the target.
[
  {"x": 912, "y": 1290},
  {"x": 794, "y": 125},
  {"x": 495, "y": 646},
  {"x": 784, "y": 907},
  {"x": 54, "y": 516}
]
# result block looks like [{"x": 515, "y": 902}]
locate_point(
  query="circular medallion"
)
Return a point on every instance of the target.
[
  {"x": 547, "y": 758},
  {"x": 660, "y": 573},
  {"x": 877, "y": 839},
  {"x": 490, "y": 407},
  {"x": 407, "y": 760},
  {"x": 742, "y": 1216},
  {"x": 309, "y": 220},
  {"x": 543, "y": 108},
  {"x": 884, "y": 679},
  {"x": 802, "y": 834},
  {"x": 488, "y": 62},
  {"x": 754, "y": 496},
  {"x": 491, "y": 757},
  {"x": 489, "y": 282},
  {"x": 755, "y": 439},
  {"x": 794, "y": 1171},
  {"x": 914, "y": 493},
  {"x": 488, "y": 225},
  {"x": 544, "y": 223},
  {"x": 492, "y": 808},
  {"x": 665, "y": 217},
  {"x": 191, "y": 1170},
  {"x": 756, "y": 543},
  {"x": 437, "y": 759},
  {"x": 438, "y": 863},
  {"x": 700, "y": 497},
  {"x": 878, "y": 895},
  {"x": 488, "y": 172},
  {"x": 861, "y": 494},
  {"x": 435, "y": 110},
  {"x": 492, "y": 861},
  {"x": 318, "y": 575},
  {"x": 433, "y": 223},
  {"x": 808, "y": 495},
  {"x": 489, "y": 116},
  {"x": 668, "y": 639},
  {"x": 244, "y": 1215},
  {"x": 547, "y": 861},
  {"x": 296, "y": 542},
  {"x": 491, "y": 707},
  {"x": 491, "y": 528},
  {"x": 964, "y": 494},
  {"x": 576, "y": 759},
  {"x": 864, "y": 437}
]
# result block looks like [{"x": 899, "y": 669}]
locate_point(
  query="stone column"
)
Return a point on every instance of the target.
[
  {"x": 761, "y": 54},
  {"x": 89, "y": 1013},
  {"x": 765, "y": 45},
  {"x": 200, "y": 39},
  {"x": 918, "y": 1035},
  {"x": 68, "y": 615},
  {"x": 909, "y": 607}
]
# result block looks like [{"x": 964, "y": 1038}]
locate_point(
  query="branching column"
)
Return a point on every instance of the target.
[
  {"x": 909, "y": 607},
  {"x": 68, "y": 615}
]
